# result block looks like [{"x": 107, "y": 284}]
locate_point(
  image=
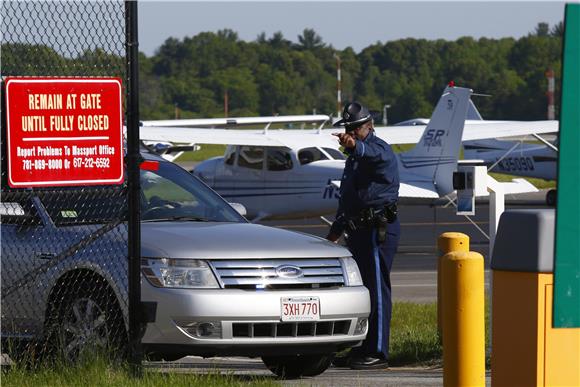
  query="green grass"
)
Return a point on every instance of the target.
[
  {"x": 414, "y": 337},
  {"x": 204, "y": 153},
  {"x": 538, "y": 183},
  {"x": 400, "y": 148},
  {"x": 100, "y": 372}
]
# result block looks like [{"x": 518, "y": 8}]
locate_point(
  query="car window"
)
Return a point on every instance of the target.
[
  {"x": 19, "y": 213},
  {"x": 169, "y": 192},
  {"x": 278, "y": 159},
  {"x": 79, "y": 205},
  {"x": 11, "y": 209},
  {"x": 251, "y": 157},
  {"x": 335, "y": 153},
  {"x": 308, "y": 155}
]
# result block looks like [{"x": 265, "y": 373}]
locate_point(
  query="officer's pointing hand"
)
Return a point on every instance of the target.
[{"x": 346, "y": 140}]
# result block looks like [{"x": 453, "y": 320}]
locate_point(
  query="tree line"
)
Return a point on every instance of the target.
[
  {"x": 211, "y": 72},
  {"x": 194, "y": 76}
]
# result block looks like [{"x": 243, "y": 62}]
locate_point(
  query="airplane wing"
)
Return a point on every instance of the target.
[
  {"x": 473, "y": 130},
  {"x": 212, "y": 122},
  {"x": 291, "y": 138},
  {"x": 518, "y": 186},
  {"x": 496, "y": 129},
  {"x": 193, "y": 131},
  {"x": 419, "y": 189}
]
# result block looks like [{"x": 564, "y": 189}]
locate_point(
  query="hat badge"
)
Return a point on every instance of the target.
[{"x": 346, "y": 116}]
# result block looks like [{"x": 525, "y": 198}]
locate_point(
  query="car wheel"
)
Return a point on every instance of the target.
[
  {"x": 87, "y": 322},
  {"x": 551, "y": 197},
  {"x": 295, "y": 366}
]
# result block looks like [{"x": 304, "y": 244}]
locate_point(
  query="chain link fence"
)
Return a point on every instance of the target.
[{"x": 64, "y": 259}]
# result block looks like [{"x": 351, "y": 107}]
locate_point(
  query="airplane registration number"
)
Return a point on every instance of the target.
[{"x": 300, "y": 308}]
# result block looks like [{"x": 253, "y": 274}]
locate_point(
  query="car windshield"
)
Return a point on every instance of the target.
[{"x": 171, "y": 193}]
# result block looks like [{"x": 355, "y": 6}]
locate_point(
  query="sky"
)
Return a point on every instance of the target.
[{"x": 344, "y": 23}]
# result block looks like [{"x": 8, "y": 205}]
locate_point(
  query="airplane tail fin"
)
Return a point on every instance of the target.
[{"x": 434, "y": 158}]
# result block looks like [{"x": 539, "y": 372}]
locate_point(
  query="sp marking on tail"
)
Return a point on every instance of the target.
[{"x": 433, "y": 138}]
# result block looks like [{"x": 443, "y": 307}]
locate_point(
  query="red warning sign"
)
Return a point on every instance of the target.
[{"x": 64, "y": 132}]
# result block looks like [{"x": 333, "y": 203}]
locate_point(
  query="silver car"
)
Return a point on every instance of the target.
[{"x": 213, "y": 283}]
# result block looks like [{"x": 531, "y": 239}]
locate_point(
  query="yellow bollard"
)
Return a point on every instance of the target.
[
  {"x": 447, "y": 243},
  {"x": 463, "y": 319}
]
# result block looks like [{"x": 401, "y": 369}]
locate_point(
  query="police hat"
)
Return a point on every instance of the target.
[{"x": 353, "y": 115}]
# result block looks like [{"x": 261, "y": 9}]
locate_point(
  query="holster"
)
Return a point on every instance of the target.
[
  {"x": 381, "y": 222},
  {"x": 372, "y": 217},
  {"x": 391, "y": 212}
]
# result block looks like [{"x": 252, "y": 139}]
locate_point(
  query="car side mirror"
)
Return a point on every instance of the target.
[{"x": 240, "y": 209}]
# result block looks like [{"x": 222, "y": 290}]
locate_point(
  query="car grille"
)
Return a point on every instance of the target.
[
  {"x": 279, "y": 273},
  {"x": 297, "y": 329}
]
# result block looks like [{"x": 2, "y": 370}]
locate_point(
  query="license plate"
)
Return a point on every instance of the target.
[{"x": 300, "y": 308}]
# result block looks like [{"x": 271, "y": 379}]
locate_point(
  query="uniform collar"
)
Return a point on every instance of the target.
[{"x": 369, "y": 136}]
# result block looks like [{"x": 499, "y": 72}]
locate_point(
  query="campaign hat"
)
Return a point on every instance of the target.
[{"x": 353, "y": 116}]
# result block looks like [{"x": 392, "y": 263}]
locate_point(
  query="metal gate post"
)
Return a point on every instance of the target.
[{"x": 133, "y": 161}]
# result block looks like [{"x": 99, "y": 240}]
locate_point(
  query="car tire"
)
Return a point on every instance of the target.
[
  {"x": 295, "y": 366},
  {"x": 551, "y": 197},
  {"x": 88, "y": 321}
]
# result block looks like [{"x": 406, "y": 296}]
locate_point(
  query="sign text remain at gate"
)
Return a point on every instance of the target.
[{"x": 64, "y": 131}]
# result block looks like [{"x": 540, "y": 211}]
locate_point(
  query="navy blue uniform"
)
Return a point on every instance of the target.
[{"x": 371, "y": 180}]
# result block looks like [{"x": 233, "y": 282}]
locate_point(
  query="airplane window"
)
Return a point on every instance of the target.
[
  {"x": 251, "y": 157},
  {"x": 308, "y": 155},
  {"x": 278, "y": 160},
  {"x": 230, "y": 156},
  {"x": 335, "y": 153}
]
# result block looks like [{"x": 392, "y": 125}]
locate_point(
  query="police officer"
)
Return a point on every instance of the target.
[{"x": 367, "y": 213}]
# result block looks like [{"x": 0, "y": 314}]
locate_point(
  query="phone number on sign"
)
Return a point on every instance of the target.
[
  {"x": 56, "y": 164},
  {"x": 90, "y": 162}
]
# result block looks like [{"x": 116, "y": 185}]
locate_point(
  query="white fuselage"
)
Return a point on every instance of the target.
[
  {"x": 528, "y": 160},
  {"x": 304, "y": 190}
]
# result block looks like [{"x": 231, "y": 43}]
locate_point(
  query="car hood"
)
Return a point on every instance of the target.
[{"x": 231, "y": 240}]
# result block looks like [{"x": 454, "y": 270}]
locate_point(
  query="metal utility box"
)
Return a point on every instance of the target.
[
  {"x": 526, "y": 349},
  {"x": 470, "y": 180}
]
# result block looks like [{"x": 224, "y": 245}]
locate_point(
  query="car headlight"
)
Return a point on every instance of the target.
[
  {"x": 351, "y": 272},
  {"x": 178, "y": 273}
]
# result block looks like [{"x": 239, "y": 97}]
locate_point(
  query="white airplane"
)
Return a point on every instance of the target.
[
  {"x": 517, "y": 158},
  {"x": 167, "y": 148},
  {"x": 295, "y": 173}
]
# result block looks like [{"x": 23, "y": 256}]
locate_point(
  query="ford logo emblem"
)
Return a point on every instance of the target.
[{"x": 288, "y": 271}]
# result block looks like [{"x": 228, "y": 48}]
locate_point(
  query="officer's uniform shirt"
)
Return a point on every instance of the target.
[{"x": 370, "y": 179}]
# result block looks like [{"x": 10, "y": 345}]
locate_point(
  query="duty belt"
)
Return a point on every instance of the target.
[{"x": 369, "y": 217}]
